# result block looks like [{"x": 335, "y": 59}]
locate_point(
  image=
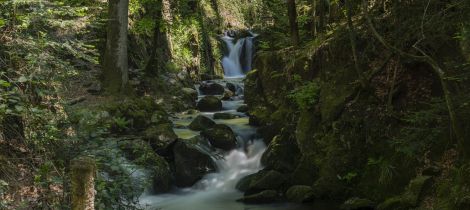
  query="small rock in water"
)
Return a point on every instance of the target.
[
  {"x": 358, "y": 204},
  {"x": 201, "y": 123},
  {"x": 232, "y": 87},
  {"x": 227, "y": 95},
  {"x": 225, "y": 116},
  {"x": 243, "y": 109},
  {"x": 205, "y": 77},
  {"x": 221, "y": 136},
  {"x": 209, "y": 104}
]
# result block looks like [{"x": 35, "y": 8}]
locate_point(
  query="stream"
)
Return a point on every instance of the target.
[{"x": 217, "y": 191}]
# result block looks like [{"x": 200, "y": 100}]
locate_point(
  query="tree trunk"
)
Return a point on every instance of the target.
[
  {"x": 115, "y": 67},
  {"x": 352, "y": 39},
  {"x": 83, "y": 190},
  {"x": 294, "y": 29}
]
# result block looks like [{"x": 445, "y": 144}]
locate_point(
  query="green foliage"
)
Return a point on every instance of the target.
[
  {"x": 424, "y": 129},
  {"x": 306, "y": 96},
  {"x": 454, "y": 192},
  {"x": 386, "y": 169},
  {"x": 3, "y": 189}
]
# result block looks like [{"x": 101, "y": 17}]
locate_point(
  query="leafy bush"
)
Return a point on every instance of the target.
[{"x": 306, "y": 96}]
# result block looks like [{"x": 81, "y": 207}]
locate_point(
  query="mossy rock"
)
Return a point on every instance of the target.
[
  {"x": 221, "y": 136},
  {"x": 160, "y": 137},
  {"x": 266, "y": 196},
  {"x": 140, "y": 153},
  {"x": 300, "y": 194},
  {"x": 201, "y": 122},
  {"x": 410, "y": 198},
  {"x": 190, "y": 163},
  {"x": 282, "y": 154},
  {"x": 358, "y": 204},
  {"x": 225, "y": 116},
  {"x": 243, "y": 109},
  {"x": 305, "y": 173},
  {"x": 209, "y": 104},
  {"x": 267, "y": 180}
]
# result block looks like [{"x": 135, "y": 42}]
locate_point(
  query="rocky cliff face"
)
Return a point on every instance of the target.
[{"x": 351, "y": 141}]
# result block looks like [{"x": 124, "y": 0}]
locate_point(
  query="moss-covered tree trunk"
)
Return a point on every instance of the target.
[
  {"x": 115, "y": 63},
  {"x": 83, "y": 177},
  {"x": 294, "y": 29},
  {"x": 160, "y": 53}
]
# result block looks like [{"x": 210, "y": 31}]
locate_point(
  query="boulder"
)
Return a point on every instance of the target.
[
  {"x": 225, "y": 116},
  {"x": 232, "y": 87},
  {"x": 267, "y": 196},
  {"x": 227, "y": 95},
  {"x": 300, "y": 194},
  {"x": 209, "y": 88},
  {"x": 266, "y": 180},
  {"x": 221, "y": 136},
  {"x": 191, "y": 164},
  {"x": 243, "y": 109},
  {"x": 282, "y": 154},
  {"x": 209, "y": 104},
  {"x": 201, "y": 123},
  {"x": 190, "y": 93},
  {"x": 160, "y": 137},
  {"x": 358, "y": 204},
  {"x": 140, "y": 153},
  {"x": 244, "y": 183}
]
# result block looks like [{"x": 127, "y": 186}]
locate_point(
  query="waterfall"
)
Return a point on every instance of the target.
[{"x": 240, "y": 55}]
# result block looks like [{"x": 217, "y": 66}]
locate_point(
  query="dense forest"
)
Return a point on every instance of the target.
[{"x": 235, "y": 104}]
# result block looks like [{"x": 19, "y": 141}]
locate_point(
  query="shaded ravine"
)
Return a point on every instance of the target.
[{"x": 217, "y": 190}]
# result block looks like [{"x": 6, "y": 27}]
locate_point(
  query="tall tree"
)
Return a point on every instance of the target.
[
  {"x": 294, "y": 28},
  {"x": 115, "y": 64}
]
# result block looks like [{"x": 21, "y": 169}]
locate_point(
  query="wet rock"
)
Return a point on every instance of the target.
[
  {"x": 266, "y": 180},
  {"x": 232, "y": 87},
  {"x": 208, "y": 88},
  {"x": 160, "y": 137},
  {"x": 209, "y": 104},
  {"x": 244, "y": 183},
  {"x": 190, "y": 93},
  {"x": 358, "y": 204},
  {"x": 267, "y": 196},
  {"x": 305, "y": 173},
  {"x": 225, "y": 116},
  {"x": 201, "y": 123},
  {"x": 243, "y": 109},
  {"x": 300, "y": 194},
  {"x": 191, "y": 164},
  {"x": 227, "y": 95},
  {"x": 140, "y": 153},
  {"x": 221, "y": 136}
]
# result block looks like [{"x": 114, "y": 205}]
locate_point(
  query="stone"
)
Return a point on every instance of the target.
[
  {"x": 160, "y": 137},
  {"x": 267, "y": 196},
  {"x": 221, "y": 136},
  {"x": 266, "y": 180},
  {"x": 227, "y": 95},
  {"x": 190, "y": 93},
  {"x": 209, "y": 104},
  {"x": 209, "y": 88},
  {"x": 358, "y": 204},
  {"x": 191, "y": 164},
  {"x": 201, "y": 122},
  {"x": 410, "y": 198},
  {"x": 300, "y": 194},
  {"x": 225, "y": 116},
  {"x": 282, "y": 154},
  {"x": 243, "y": 109},
  {"x": 232, "y": 87}
]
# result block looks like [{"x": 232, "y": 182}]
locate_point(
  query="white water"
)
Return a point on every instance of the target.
[{"x": 240, "y": 51}]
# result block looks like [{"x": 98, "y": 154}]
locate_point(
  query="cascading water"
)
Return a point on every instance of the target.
[{"x": 240, "y": 55}]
